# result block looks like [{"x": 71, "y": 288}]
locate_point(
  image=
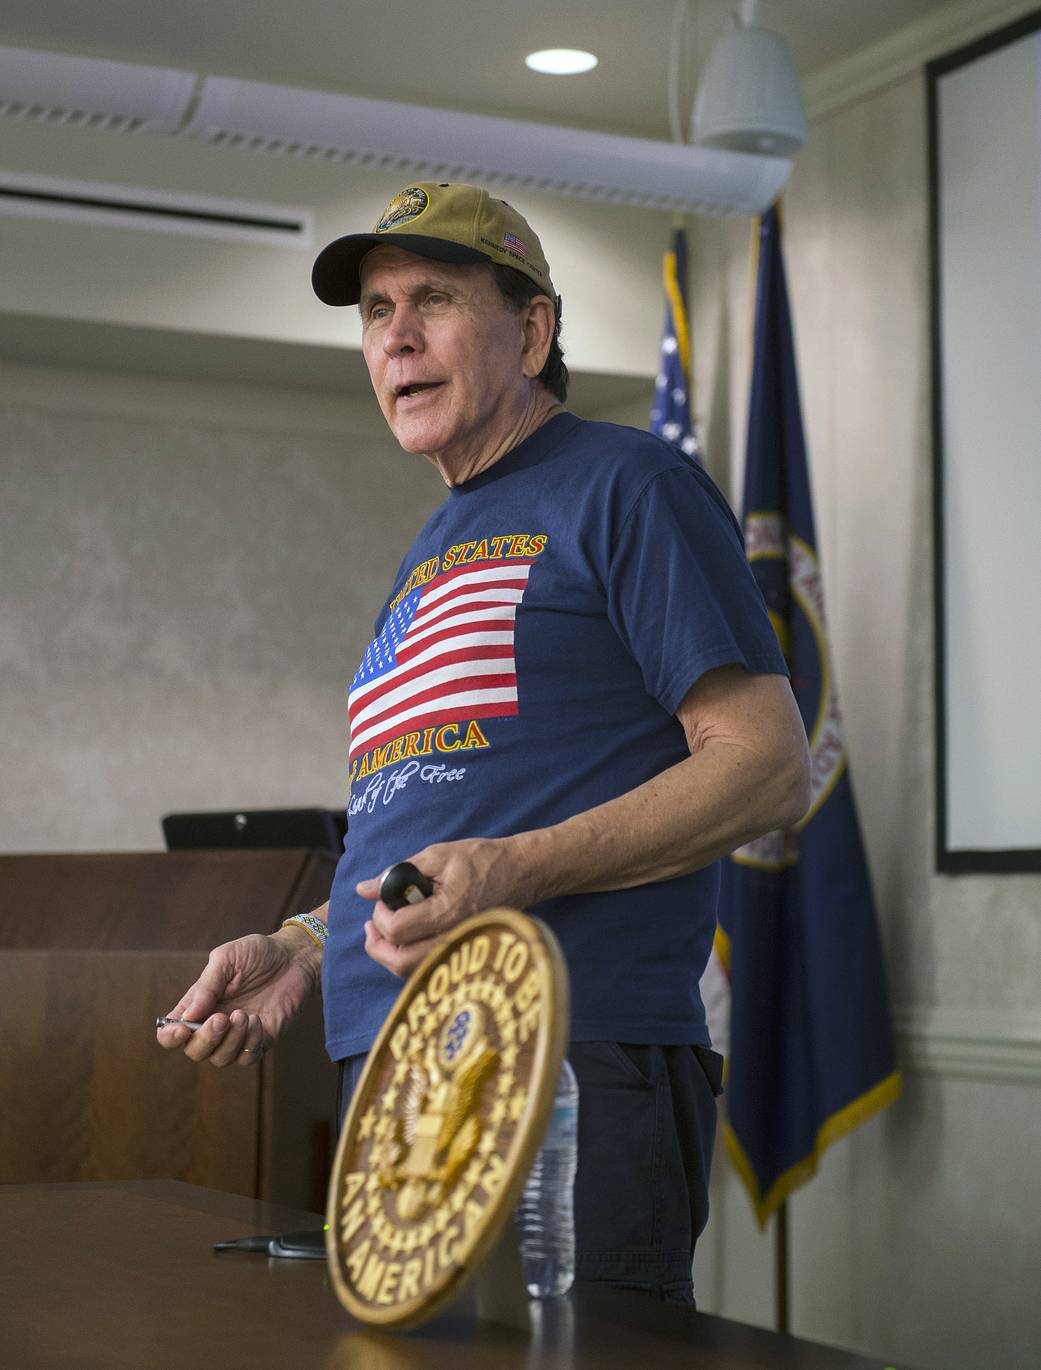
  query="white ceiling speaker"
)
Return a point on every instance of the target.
[
  {"x": 439, "y": 144},
  {"x": 748, "y": 98},
  {"x": 92, "y": 92}
]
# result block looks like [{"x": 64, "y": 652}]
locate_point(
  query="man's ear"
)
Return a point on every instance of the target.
[{"x": 539, "y": 324}]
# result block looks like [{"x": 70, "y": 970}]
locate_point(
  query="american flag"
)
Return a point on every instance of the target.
[
  {"x": 672, "y": 416},
  {"x": 445, "y": 654}
]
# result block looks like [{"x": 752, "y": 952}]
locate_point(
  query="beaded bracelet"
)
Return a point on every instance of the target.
[{"x": 313, "y": 926}]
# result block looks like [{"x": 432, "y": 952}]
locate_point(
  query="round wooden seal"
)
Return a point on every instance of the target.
[{"x": 447, "y": 1117}]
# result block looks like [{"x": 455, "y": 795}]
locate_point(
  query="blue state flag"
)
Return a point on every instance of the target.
[
  {"x": 672, "y": 416},
  {"x": 811, "y": 1047}
]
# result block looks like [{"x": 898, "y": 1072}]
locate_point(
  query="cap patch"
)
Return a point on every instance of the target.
[
  {"x": 514, "y": 244},
  {"x": 404, "y": 207}
]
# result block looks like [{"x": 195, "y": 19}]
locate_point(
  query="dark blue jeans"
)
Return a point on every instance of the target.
[{"x": 646, "y": 1126}]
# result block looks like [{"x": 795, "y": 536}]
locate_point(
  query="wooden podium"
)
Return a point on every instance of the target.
[{"x": 92, "y": 949}]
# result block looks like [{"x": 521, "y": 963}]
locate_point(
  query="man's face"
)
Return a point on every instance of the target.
[{"x": 445, "y": 356}]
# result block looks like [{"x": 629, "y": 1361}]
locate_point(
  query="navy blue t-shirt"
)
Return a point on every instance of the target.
[{"x": 541, "y": 632}]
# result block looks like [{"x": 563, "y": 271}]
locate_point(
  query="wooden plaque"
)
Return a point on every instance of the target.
[{"x": 447, "y": 1118}]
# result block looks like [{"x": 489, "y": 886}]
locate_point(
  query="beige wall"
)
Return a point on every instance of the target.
[
  {"x": 191, "y": 574},
  {"x": 918, "y": 1241}
]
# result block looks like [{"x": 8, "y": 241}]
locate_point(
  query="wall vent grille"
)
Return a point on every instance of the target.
[{"x": 89, "y": 202}]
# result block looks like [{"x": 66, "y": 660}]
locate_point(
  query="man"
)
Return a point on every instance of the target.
[{"x": 574, "y": 704}]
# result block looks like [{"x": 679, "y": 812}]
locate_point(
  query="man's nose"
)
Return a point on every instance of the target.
[{"x": 404, "y": 332}]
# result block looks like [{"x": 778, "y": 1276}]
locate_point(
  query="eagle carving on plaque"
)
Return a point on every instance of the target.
[{"x": 439, "y": 1132}]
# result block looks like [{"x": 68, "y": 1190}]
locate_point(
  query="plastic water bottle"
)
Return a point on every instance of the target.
[{"x": 546, "y": 1212}]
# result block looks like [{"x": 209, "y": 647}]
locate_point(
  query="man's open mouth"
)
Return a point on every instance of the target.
[{"x": 408, "y": 391}]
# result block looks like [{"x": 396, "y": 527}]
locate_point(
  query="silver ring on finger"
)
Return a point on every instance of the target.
[{"x": 255, "y": 1051}]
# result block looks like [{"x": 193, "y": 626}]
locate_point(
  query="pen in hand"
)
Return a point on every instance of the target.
[{"x": 177, "y": 1022}]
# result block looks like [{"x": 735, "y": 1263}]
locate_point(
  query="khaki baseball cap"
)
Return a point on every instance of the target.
[{"x": 450, "y": 223}]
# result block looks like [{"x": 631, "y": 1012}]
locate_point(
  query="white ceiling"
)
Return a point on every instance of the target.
[
  {"x": 465, "y": 54},
  {"x": 462, "y": 54}
]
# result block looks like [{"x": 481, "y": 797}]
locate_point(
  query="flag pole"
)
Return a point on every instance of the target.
[{"x": 782, "y": 1278}]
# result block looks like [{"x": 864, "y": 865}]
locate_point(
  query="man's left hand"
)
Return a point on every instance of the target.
[{"x": 467, "y": 876}]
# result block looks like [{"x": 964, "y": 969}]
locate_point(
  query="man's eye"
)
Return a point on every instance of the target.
[
  {"x": 377, "y": 312},
  {"x": 437, "y": 297}
]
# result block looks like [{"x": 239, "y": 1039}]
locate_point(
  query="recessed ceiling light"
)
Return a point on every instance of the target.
[{"x": 561, "y": 61}]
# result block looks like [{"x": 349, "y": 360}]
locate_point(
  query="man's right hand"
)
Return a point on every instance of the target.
[{"x": 249, "y": 992}]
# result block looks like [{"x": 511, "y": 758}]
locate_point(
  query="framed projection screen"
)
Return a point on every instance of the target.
[{"x": 985, "y": 191}]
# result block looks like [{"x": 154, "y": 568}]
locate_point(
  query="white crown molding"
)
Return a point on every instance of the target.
[
  {"x": 971, "y": 1045},
  {"x": 905, "y": 52}
]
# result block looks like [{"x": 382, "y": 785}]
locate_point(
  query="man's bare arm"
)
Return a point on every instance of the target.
[{"x": 747, "y": 774}]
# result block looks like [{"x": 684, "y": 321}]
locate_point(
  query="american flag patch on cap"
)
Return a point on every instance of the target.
[{"x": 511, "y": 241}]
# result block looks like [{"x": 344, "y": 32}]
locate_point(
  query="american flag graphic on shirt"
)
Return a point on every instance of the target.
[{"x": 446, "y": 653}]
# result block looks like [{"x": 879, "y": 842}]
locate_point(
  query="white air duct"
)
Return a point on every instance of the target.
[
  {"x": 438, "y": 144},
  {"x": 91, "y": 92},
  {"x": 418, "y": 142}
]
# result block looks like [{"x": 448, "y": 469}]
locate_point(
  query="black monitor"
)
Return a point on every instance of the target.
[{"x": 321, "y": 829}]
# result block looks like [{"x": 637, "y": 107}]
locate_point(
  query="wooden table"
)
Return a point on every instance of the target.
[{"x": 111, "y": 1276}]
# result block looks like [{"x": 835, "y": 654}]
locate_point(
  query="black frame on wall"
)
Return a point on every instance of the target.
[{"x": 948, "y": 859}]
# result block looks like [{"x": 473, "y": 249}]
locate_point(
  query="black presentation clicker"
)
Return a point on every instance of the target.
[{"x": 404, "y": 884}]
